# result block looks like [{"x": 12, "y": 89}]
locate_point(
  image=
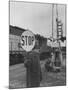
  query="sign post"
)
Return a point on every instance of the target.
[{"x": 32, "y": 61}]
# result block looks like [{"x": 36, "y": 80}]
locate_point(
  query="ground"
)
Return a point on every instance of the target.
[{"x": 17, "y": 77}]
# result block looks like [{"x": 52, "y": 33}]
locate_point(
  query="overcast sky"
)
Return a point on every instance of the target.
[{"x": 36, "y": 17}]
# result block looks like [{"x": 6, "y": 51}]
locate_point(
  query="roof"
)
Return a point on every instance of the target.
[{"x": 14, "y": 30}]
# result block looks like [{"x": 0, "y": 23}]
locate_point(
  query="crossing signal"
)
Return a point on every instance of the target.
[
  {"x": 59, "y": 28},
  {"x": 62, "y": 39}
]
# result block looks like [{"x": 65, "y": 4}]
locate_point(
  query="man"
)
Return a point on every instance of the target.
[{"x": 33, "y": 69}]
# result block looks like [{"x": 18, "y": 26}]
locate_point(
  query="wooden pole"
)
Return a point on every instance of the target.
[{"x": 52, "y": 18}]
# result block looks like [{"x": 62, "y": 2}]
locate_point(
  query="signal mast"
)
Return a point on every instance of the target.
[
  {"x": 59, "y": 32},
  {"x": 59, "y": 25}
]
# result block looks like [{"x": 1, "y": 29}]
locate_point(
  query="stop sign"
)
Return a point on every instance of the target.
[{"x": 27, "y": 40}]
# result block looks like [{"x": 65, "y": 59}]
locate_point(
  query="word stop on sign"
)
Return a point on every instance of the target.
[{"x": 27, "y": 40}]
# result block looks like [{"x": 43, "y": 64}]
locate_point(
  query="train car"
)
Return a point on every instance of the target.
[
  {"x": 14, "y": 38},
  {"x": 16, "y": 53}
]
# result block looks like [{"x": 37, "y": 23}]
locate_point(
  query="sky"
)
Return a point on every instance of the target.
[{"x": 37, "y": 17}]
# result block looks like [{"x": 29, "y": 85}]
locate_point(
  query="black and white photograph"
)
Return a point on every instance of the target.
[{"x": 37, "y": 44}]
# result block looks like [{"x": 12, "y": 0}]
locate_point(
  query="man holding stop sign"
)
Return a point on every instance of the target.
[{"x": 32, "y": 60}]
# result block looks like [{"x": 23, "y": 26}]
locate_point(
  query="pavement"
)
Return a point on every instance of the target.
[{"x": 17, "y": 77}]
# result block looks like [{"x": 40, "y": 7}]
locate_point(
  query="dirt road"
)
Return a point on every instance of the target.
[{"x": 17, "y": 77}]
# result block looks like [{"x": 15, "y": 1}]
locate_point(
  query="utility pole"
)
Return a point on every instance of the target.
[
  {"x": 57, "y": 25},
  {"x": 57, "y": 21},
  {"x": 52, "y": 19}
]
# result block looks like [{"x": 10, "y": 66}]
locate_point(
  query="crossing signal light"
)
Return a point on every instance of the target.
[
  {"x": 62, "y": 39},
  {"x": 59, "y": 28}
]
